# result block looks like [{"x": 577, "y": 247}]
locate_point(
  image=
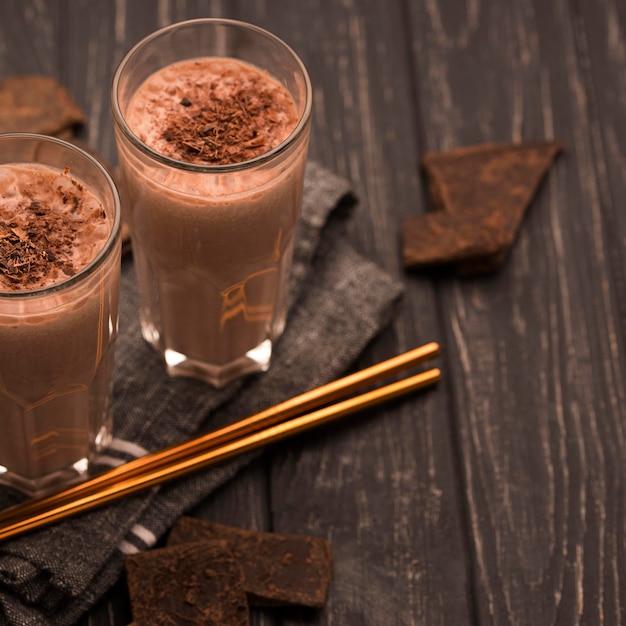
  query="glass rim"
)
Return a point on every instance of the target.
[
  {"x": 109, "y": 244},
  {"x": 295, "y": 134}
]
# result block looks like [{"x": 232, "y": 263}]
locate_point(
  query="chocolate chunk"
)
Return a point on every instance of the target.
[
  {"x": 278, "y": 569},
  {"x": 480, "y": 194},
  {"x": 187, "y": 585},
  {"x": 37, "y": 104}
]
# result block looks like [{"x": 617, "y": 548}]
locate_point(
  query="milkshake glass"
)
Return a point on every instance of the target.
[
  {"x": 212, "y": 240},
  {"x": 60, "y": 263}
]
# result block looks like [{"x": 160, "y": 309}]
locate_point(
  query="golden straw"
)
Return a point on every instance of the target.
[
  {"x": 268, "y": 417},
  {"x": 251, "y": 432}
]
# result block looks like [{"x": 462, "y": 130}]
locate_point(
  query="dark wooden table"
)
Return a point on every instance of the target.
[{"x": 499, "y": 498}]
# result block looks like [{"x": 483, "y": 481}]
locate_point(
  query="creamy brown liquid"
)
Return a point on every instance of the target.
[
  {"x": 212, "y": 251},
  {"x": 55, "y": 346}
]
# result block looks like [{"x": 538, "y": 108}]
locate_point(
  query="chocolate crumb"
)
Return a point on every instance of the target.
[{"x": 186, "y": 102}]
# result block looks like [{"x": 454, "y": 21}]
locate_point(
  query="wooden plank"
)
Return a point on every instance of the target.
[
  {"x": 381, "y": 487},
  {"x": 533, "y": 354},
  {"x": 600, "y": 34},
  {"x": 599, "y": 37},
  {"x": 29, "y": 38},
  {"x": 96, "y": 37}
]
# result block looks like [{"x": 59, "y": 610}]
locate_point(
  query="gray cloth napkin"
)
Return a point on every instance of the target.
[{"x": 339, "y": 302}]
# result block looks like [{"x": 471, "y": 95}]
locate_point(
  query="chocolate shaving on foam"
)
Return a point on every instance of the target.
[
  {"x": 218, "y": 130},
  {"x": 36, "y": 242}
]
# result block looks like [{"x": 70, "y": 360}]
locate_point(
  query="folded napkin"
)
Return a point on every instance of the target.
[{"x": 339, "y": 301}]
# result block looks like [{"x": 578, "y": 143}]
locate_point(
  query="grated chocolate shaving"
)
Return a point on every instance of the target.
[
  {"x": 219, "y": 130},
  {"x": 36, "y": 243}
]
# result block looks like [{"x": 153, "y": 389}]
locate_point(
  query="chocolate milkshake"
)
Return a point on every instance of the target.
[
  {"x": 212, "y": 151},
  {"x": 59, "y": 285}
]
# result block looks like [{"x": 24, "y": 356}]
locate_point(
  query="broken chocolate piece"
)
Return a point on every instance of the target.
[
  {"x": 187, "y": 586},
  {"x": 480, "y": 194},
  {"x": 37, "y": 104},
  {"x": 278, "y": 569}
]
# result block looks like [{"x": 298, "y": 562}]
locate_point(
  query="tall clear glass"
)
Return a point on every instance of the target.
[
  {"x": 212, "y": 244},
  {"x": 56, "y": 342}
]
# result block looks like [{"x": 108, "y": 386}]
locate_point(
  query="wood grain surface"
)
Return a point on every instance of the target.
[{"x": 498, "y": 498}]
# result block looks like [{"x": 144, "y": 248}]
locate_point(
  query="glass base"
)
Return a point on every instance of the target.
[
  {"x": 36, "y": 487},
  {"x": 255, "y": 360},
  {"x": 62, "y": 477}
]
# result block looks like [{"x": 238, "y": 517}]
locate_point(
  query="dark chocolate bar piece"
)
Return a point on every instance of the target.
[
  {"x": 278, "y": 569},
  {"x": 187, "y": 585},
  {"x": 480, "y": 195},
  {"x": 37, "y": 104}
]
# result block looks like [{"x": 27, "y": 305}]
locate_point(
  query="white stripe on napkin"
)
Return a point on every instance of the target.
[
  {"x": 137, "y": 533},
  {"x": 109, "y": 460},
  {"x": 128, "y": 447},
  {"x": 127, "y": 548},
  {"x": 146, "y": 535}
]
